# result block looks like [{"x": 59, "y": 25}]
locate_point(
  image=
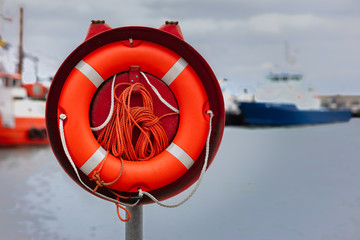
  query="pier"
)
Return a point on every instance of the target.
[{"x": 342, "y": 101}]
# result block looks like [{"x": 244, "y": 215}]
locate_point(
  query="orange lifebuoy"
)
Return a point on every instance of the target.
[
  {"x": 78, "y": 90},
  {"x": 101, "y": 64}
]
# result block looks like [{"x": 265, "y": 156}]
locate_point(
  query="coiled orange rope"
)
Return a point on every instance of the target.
[{"x": 117, "y": 136}]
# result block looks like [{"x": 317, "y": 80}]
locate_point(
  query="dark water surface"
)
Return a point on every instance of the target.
[{"x": 265, "y": 183}]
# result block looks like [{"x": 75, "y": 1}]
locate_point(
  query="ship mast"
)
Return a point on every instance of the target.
[{"x": 21, "y": 51}]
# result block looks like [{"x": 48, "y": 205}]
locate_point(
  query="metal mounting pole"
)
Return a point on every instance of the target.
[{"x": 134, "y": 227}]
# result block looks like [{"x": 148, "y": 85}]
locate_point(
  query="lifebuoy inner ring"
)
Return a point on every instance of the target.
[{"x": 117, "y": 57}]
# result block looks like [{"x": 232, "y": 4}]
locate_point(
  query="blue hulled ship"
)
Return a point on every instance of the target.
[{"x": 282, "y": 101}]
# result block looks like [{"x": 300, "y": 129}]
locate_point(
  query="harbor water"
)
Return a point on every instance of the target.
[{"x": 264, "y": 184}]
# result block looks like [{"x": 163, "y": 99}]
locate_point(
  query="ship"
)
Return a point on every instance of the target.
[
  {"x": 22, "y": 106},
  {"x": 282, "y": 101}
]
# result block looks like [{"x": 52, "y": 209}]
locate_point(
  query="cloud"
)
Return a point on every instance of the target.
[
  {"x": 279, "y": 23},
  {"x": 243, "y": 9},
  {"x": 239, "y": 38}
]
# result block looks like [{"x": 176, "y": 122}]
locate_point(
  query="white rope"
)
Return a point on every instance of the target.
[
  {"x": 63, "y": 142},
  {"x": 111, "y": 109},
  {"x": 159, "y": 96},
  {"x": 141, "y": 192}
]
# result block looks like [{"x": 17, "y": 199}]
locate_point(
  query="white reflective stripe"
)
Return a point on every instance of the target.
[
  {"x": 180, "y": 154},
  {"x": 90, "y": 73},
  {"x": 174, "y": 71},
  {"x": 93, "y": 161}
]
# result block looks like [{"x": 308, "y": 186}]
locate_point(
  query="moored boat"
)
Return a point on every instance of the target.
[
  {"x": 282, "y": 101},
  {"x": 22, "y": 118},
  {"x": 22, "y": 107}
]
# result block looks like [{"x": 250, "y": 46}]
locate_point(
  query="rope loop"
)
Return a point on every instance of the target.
[{"x": 123, "y": 208}]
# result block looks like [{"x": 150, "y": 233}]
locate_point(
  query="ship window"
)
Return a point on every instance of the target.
[
  {"x": 296, "y": 77},
  {"x": 275, "y": 78}
]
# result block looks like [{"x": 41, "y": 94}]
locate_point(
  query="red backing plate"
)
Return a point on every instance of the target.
[{"x": 101, "y": 102}]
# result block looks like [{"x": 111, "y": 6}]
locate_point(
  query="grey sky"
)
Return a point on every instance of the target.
[{"x": 242, "y": 40}]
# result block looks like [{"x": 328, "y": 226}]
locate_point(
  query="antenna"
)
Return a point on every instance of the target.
[
  {"x": 21, "y": 51},
  {"x": 290, "y": 59}
]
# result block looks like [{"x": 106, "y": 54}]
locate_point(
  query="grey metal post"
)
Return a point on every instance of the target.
[{"x": 134, "y": 227}]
